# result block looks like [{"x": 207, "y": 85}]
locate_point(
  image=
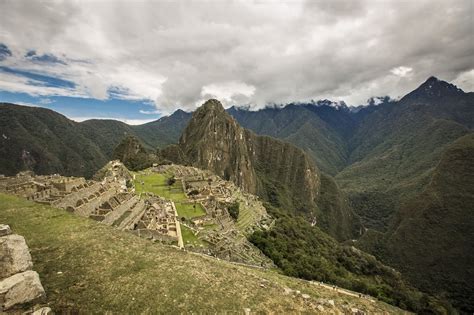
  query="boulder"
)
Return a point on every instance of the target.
[
  {"x": 5, "y": 230},
  {"x": 356, "y": 311},
  {"x": 43, "y": 311},
  {"x": 14, "y": 255},
  {"x": 24, "y": 287},
  {"x": 330, "y": 303}
]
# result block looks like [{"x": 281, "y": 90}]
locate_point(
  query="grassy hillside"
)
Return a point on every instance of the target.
[
  {"x": 431, "y": 240},
  {"x": 304, "y": 251},
  {"x": 46, "y": 142},
  {"x": 88, "y": 267}
]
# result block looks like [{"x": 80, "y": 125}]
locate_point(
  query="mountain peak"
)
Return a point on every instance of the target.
[
  {"x": 434, "y": 88},
  {"x": 179, "y": 111},
  {"x": 212, "y": 105}
]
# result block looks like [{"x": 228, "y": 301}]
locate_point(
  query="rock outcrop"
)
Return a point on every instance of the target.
[
  {"x": 14, "y": 255},
  {"x": 21, "y": 288},
  {"x": 19, "y": 285}
]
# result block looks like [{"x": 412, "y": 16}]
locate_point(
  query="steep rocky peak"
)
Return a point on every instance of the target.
[
  {"x": 210, "y": 113},
  {"x": 211, "y": 106},
  {"x": 214, "y": 140}
]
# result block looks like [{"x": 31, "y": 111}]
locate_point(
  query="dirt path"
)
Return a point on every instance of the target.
[
  {"x": 343, "y": 291},
  {"x": 178, "y": 227}
]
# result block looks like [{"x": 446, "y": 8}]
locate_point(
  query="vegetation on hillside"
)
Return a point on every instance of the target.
[
  {"x": 87, "y": 267},
  {"x": 443, "y": 247},
  {"x": 233, "y": 210},
  {"x": 133, "y": 155},
  {"x": 304, "y": 251},
  {"x": 41, "y": 140}
]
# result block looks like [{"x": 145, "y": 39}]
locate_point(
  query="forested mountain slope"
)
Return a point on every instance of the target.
[{"x": 46, "y": 142}]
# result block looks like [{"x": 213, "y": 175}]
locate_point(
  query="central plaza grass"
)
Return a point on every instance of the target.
[
  {"x": 189, "y": 211},
  {"x": 189, "y": 238},
  {"x": 158, "y": 184}
]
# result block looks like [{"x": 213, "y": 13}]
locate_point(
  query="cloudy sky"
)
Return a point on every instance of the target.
[{"x": 137, "y": 60}]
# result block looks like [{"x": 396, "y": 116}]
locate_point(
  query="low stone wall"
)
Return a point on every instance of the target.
[{"x": 19, "y": 285}]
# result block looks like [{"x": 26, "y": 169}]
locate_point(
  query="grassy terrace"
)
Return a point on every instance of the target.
[
  {"x": 107, "y": 270},
  {"x": 157, "y": 184},
  {"x": 189, "y": 238}
]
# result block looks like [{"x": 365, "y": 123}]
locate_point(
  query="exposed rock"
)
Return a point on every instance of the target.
[
  {"x": 43, "y": 311},
  {"x": 305, "y": 296},
  {"x": 288, "y": 291},
  {"x": 5, "y": 230},
  {"x": 19, "y": 289},
  {"x": 113, "y": 169},
  {"x": 14, "y": 255},
  {"x": 320, "y": 308},
  {"x": 330, "y": 303},
  {"x": 356, "y": 311}
]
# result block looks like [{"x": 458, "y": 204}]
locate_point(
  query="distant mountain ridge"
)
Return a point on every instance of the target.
[{"x": 47, "y": 142}]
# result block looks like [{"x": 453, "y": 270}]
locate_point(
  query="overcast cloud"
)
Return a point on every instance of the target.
[{"x": 179, "y": 53}]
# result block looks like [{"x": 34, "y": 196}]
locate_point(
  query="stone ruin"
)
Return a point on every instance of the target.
[
  {"x": 106, "y": 199},
  {"x": 227, "y": 239},
  {"x": 20, "y": 286},
  {"x": 111, "y": 199},
  {"x": 159, "y": 221}
]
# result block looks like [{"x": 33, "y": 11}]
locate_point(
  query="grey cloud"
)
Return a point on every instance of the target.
[
  {"x": 4, "y": 52},
  {"x": 288, "y": 51}
]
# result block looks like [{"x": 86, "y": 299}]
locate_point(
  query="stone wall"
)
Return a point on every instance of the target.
[{"x": 19, "y": 285}]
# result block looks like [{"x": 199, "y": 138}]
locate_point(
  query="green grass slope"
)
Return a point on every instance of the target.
[
  {"x": 432, "y": 241},
  {"x": 86, "y": 267}
]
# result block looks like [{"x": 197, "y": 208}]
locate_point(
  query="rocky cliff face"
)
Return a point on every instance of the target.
[
  {"x": 273, "y": 169},
  {"x": 214, "y": 140}
]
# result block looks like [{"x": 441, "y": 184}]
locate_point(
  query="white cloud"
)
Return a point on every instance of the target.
[
  {"x": 465, "y": 80},
  {"x": 255, "y": 52},
  {"x": 45, "y": 101},
  {"x": 149, "y": 112},
  {"x": 228, "y": 92},
  {"x": 402, "y": 71},
  {"x": 125, "y": 120}
]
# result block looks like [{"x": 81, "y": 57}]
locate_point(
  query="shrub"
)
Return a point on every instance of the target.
[{"x": 234, "y": 210}]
